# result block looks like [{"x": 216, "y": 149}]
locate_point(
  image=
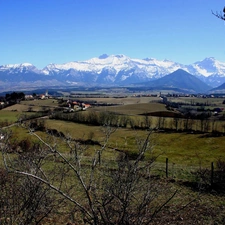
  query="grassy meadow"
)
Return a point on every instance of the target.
[
  {"x": 9, "y": 116},
  {"x": 181, "y": 148},
  {"x": 186, "y": 151}
]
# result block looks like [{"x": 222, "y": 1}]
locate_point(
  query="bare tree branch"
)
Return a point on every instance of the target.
[
  {"x": 54, "y": 188},
  {"x": 219, "y": 15}
]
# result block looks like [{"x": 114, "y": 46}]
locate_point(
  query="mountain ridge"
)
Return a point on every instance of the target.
[{"x": 112, "y": 70}]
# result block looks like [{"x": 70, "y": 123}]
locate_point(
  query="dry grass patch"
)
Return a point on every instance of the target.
[
  {"x": 33, "y": 105},
  {"x": 133, "y": 109},
  {"x": 122, "y": 100}
]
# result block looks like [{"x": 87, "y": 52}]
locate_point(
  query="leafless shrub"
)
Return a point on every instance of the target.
[
  {"x": 24, "y": 200},
  {"x": 101, "y": 192}
]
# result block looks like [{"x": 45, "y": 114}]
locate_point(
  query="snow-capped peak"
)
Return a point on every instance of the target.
[
  {"x": 14, "y": 66},
  {"x": 120, "y": 67},
  {"x": 209, "y": 66},
  {"x": 19, "y": 68}
]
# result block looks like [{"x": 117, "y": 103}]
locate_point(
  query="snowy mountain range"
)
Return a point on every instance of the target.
[{"x": 107, "y": 70}]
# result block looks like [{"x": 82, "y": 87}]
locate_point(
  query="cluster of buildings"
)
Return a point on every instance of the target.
[
  {"x": 41, "y": 96},
  {"x": 76, "y": 106}
]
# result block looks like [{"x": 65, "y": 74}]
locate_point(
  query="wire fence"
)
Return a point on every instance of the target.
[{"x": 211, "y": 177}]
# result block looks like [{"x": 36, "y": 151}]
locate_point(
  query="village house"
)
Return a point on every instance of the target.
[
  {"x": 29, "y": 97},
  {"x": 85, "y": 106}
]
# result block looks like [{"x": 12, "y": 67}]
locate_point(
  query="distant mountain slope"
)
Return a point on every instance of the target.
[
  {"x": 182, "y": 80},
  {"x": 220, "y": 88},
  {"x": 110, "y": 70}
]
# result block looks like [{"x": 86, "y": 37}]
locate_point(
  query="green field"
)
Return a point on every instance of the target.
[
  {"x": 9, "y": 116},
  {"x": 181, "y": 148},
  {"x": 187, "y": 152}
]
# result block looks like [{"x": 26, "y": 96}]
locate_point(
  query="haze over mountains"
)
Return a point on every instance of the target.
[{"x": 116, "y": 70}]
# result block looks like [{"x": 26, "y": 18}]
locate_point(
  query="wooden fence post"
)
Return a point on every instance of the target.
[
  {"x": 212, "y": 174},
  {"x": 99, "y": 157},
  {"x": 166, "y": 167}
]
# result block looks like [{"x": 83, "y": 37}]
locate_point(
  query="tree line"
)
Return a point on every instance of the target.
[{"x": 189, "y": 123}]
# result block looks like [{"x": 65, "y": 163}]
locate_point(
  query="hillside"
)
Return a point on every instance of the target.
[{"x": 181, "y": 80}]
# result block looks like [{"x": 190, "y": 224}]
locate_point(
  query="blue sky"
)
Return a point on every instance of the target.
[{"x": 58, "y": 31}]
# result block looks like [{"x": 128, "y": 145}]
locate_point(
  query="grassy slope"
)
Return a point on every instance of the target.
[
  {"x": 181, "y": 148},
  {"x": 191, "y": 149},
  {"x": 184, "y": 150},
  {"x": 9, "y": 116},
  {"x": 176, "y": 146}
]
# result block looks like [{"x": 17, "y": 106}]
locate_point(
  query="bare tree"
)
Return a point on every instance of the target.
[
  {"x": 176, "y": 122},
  {"x": 101, "y": 191},
  {"x": 147, "y": 121}
]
